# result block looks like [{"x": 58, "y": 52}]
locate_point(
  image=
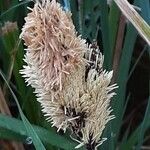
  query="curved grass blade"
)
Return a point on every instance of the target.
[
  {"x": 114, "y": 15},
  {"x": 119, "y": 100},
  {"x": 105, "y": 35},
  {"x": 10, "y": 135},
  {"x": 13, "y": 7},
  {"x": 31, "y": 132},
  {"x": 48, "y": 137},
  {"x": 143, "y": 128}
]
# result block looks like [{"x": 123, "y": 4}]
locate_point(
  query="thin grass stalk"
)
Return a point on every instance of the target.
[
  {"x": 138, "y": 59},
  {"x": 10, "y": 70},
  {"x": 118, "y": 102},
  {"x": 114, "y": 16},
  {"x": 118, "y": 47},
  {"x": 4, "y": 109},
  {"x": 14, "y": 7},
  {"x": 139, "y": 23},
  {"x": 3, "y": 105},
  {"x": 105, "y": 35},
  {"x": 29, "y": 129}
]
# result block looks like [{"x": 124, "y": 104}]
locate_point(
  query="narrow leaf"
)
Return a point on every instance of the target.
[
  {"x": 139, "y": 23},
  {"x": 8, "y": 124},
  {"x": 31, "y": 133}
]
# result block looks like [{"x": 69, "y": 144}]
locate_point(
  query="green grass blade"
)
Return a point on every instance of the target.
[
  {"x": 31, "y": 133},
  {"x": 143, "y": 128},
  {"x": 119, "y": 99},
  {"x": 87, "y": 13},
  {"x": 47, "y": 137},
  {"x": 126, "y": 134},
  {"x": 14, "y": 7},
  {"x": 138, "y": 135},
  {"x": 135, "y": 64},
  {"x": 118, "y": 102},
  {"x": 13, "y": 52},
  {"x": 105, "y": 35},
  {"x": 10, "y": 135},
  {"x": 114, "y": 15}
]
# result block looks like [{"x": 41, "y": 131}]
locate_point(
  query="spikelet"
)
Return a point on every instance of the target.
[
  {"x": 53, "y": 47},
  {"x": 69, "y": 81}
]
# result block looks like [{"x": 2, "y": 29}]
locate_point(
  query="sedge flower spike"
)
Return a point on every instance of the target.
[
  {"x": 52, "y": 43},
  {"x": 67, "y": 74}
]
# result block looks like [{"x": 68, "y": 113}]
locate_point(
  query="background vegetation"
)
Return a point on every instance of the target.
[{"x": 22, "y": 125}]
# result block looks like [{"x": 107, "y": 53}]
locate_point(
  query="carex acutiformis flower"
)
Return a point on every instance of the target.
[{"x": 67, "y": 74}]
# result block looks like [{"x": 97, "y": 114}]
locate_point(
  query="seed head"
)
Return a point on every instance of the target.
[
  {"x": 53, "y": 47},
  {"x": 70, "y": 83}
]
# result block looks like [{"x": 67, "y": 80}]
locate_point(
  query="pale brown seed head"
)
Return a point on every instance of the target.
[
  {"x": 75, "y": 94},
  {"x": 52, "y": 44}
]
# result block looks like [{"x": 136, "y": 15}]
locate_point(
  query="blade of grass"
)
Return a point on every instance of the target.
[
  {"x": 48, "y": 137},
  {"x": 13, "y": 7},
  {"x": 4, "y": 109},
  {"x": 143, "y": 126},
  {"x": 138, "y": 59},
  {"x": 7, "y": 134},
  {"x": 137, "y": 135},
  {"x": 90, "y": 19},
  {"x": 118, "y": 47},
  {"x": 105, "y": 35},
  {"x": 109, "y": 22},
  {"x": 139, "y": 23},
  {"x": 31, "y": 133},
  {"x": 119, "y": 100},
  {"x": 114, "y": 14},
  {"x": 126, "y": 134},
  {"x": 3, "y": 104},
  {"x": 13, "y": 50},
  {"x": 86, "y": 19},
  {"x": 109, "y": 143}
]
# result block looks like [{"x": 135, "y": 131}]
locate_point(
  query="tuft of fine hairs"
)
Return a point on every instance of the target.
[{"x": 68, "y": 76}]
